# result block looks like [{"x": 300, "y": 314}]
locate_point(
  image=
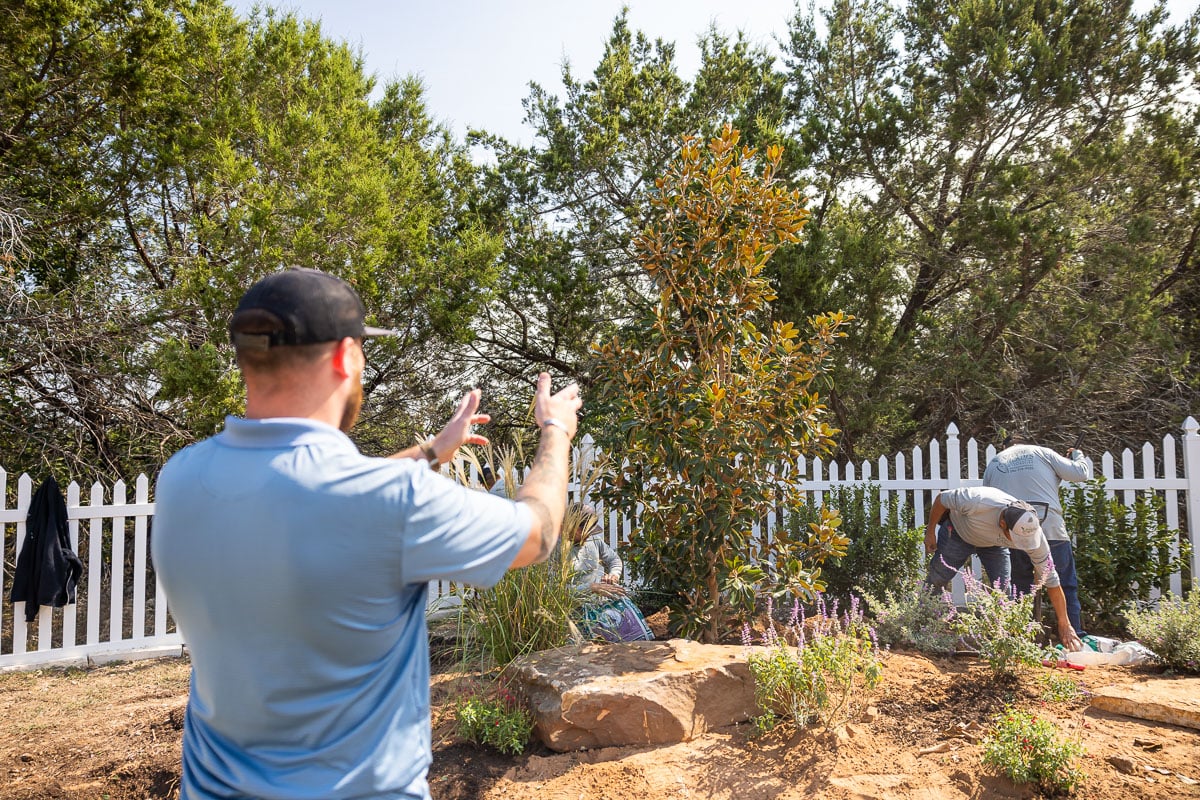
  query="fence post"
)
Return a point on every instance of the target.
[
  {"x": 1191, "y": 473},
  {"x": 953, "y": 457}
]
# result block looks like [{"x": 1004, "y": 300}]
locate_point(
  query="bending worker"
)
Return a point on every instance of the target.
[
  {"x": 982, "y": 517},
  {"x": 1033, "y": 474}
]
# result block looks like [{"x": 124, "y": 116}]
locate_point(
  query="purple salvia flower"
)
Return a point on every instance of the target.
[{"x": 1045, "y": 575}]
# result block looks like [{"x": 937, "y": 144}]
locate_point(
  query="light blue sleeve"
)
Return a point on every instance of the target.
[
  {"x": 951, "y": 499},
  {"x": 989, "y": 472},
  {"x": 1069, "y": 469},
  {"x": 460, "y": 534}
]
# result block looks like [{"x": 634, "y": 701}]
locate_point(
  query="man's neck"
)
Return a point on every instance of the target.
[{"x": 328, "y": 411}]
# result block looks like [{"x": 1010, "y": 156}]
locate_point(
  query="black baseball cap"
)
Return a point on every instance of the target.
[{"x": 303, "y": 306}]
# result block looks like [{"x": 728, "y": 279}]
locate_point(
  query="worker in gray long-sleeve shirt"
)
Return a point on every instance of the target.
[
  {"x": 982, "y": 518},
  {"x": 1033, "y": 474}
]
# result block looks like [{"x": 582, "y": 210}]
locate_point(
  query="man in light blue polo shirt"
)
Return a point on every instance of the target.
[
  {"x": 297, "y": 568},
  {"x": 983, "y": 518}
]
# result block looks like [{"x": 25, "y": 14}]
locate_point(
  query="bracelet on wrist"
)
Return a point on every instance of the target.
[
  {"x": 551, "y": 422},
  {"x": 430, "y": 455}
]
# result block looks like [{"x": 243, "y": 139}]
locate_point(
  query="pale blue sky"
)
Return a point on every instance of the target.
[{"x": 476, "y": 58}]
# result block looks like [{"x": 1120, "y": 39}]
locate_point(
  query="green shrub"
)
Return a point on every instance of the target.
[
  {"x": 1001, "y": 626},
  {"x": 915, "y": 617},
  {"x": 1029, "y": 750},
  {"x": 500, "y": 722},
  {"x": 1121, "y": 553},
  {"x": 819, "y": 668},
  {"x": 882, "y": 556},
  {"x": 1057, "y": 688},
  {"x": 1171, "y": 631}
]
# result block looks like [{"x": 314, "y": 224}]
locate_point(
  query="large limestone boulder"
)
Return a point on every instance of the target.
[{"x": 636, "y": 693}]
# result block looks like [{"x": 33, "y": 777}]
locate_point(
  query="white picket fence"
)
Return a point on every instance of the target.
[
  {"x": 914, "y": 481},
  {"x": 110, "y": 622},
  {"x": 104, "y": 624}
]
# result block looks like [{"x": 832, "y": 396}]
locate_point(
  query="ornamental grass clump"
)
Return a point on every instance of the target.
[
  {"x": 916, "y": 618},
  {"x": 498, "y": 721},
  {"x": 1030, "y": 750},
  {"x": 819, "y": 668},
  {"x": 1171, "y": 631},
  {"x": 1001, "y": 625},
  {"x": 529, "y": 609}
]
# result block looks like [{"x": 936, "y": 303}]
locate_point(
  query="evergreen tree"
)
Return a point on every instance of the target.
[{"x": 710, "y": 401}]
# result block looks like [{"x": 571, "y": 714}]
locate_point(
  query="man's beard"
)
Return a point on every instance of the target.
[{"x": 350, "y": 410}]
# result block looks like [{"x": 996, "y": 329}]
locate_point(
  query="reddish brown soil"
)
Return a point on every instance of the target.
[{"x": 113, "y": 733}]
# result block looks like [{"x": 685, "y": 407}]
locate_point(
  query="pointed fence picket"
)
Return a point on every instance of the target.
[{"x": 126, "y": 619}]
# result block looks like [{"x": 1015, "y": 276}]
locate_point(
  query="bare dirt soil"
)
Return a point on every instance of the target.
[{"x": 113, "y": 733}]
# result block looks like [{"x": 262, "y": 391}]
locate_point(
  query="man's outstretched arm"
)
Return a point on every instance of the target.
[{"x": 545, "y": 488}]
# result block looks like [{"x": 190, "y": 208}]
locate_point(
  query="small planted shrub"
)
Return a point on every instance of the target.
[
  {"x": 1058, "y": 688},
  {"x": 1030, "y": 750},
  {"x": 884, "y": 552},
  {"x": 1001, "y": 626},
  {"x": 1171, "y": 631},
  {"x": 1122, "y": 553},
  {"x": 915, "y": 617},
  {"x": 820, "y": 668},
  {"x": 498, "y": 721}
]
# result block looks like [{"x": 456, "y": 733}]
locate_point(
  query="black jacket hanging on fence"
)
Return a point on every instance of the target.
[{"x": 47, "y": 569}]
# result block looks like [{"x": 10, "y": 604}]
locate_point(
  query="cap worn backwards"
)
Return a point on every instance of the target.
[
  {"x": 1021, "y": 520},
  {"x": 302, "y": 306}
]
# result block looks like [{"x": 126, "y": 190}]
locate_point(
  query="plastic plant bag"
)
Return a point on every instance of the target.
[{"x": 617, "y": 620}]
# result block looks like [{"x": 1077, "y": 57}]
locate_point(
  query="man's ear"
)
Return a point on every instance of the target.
[{"x": 347, "y": 357}]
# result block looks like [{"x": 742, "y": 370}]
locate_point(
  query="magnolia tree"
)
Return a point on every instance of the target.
[{"x": 706, "y": 409}]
